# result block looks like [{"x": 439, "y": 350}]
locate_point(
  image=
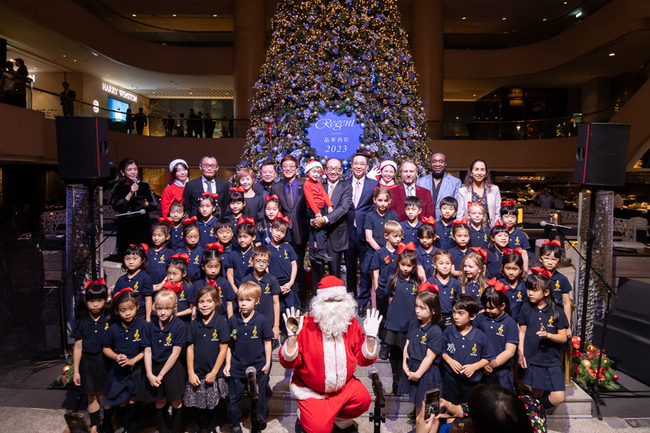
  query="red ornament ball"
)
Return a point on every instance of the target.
[{"x": 616, "y": 377}]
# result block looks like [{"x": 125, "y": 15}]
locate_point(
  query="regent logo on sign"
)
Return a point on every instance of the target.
[{"x": 334, "y": 135}]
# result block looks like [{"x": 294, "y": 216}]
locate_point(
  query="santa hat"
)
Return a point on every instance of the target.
[
  {"x": 311, "y": 164},
  {"x": 331, "y": 287},
  {"x": 386, "y": 163}
]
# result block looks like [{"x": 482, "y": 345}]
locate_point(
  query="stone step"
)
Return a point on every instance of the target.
[{"x": 577, "y": 404}]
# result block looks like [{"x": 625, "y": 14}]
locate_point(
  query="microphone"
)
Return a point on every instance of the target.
[
  {"x": 376, "y": 386},
  {"x": 251, "y": 374},
  {"x": 545, "y": 223},
  {"x": 137, "y": 212}
]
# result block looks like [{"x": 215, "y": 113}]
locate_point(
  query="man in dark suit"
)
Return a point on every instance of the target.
[
  {"x": 67, "y": 99},
  {"x": 363, "y": 189},
  {"x": 206, "y": 183},
  {"x": 140, "y": 120},
  {"x": 294, "y": 206},
  {"x": 336, "y": 223},
  {"x": 398, "y": 194},
  {"x": 268, "y": 175}
]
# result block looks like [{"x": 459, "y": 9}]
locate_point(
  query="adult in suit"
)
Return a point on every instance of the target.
[
  {"x": 335, "y": 223},
  {"x": 398, "y": 194},
  {"x": 206, "y": 183},
  {"x": 478, "y": 187},
  {"x": 268, "y": 175},
  {"x": 294, "y": 206},
  {"x": 67, "y": 99},
  {"x": 363, "y": 189},
  {"x": 140, "y": 120},
  {"x": 439, "y": 182}
]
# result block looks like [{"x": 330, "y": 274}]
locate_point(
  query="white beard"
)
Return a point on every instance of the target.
[{"x": 333, "y": 317}]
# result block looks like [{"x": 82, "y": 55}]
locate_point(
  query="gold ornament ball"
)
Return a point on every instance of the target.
[
  {"x": 66, "y": 368},
  {"x": 586, "y": 363}
]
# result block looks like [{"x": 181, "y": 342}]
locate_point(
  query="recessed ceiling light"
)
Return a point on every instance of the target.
[
  {"x": 108, "y": 75},
  {"x": 94, "y": 54},
  {"x": 134, "y": 15},
  {"x": 154, "y": 93},
  {"x": 74, "y": 60},
  {"x": 578, "y": 14},
  {"x": 463, "y": 18},
  {"x": 215, "y": 15},
  {"x": 173, "y": 15},
  {"x": 503, "y": 19},
  {"x": 190, "y": 93},
  {"x": 566, "y": 2},
  {"x": 65, "y": 55},
  {"x": 543, "y": 19},
  {"x": 612, "y": 54}
]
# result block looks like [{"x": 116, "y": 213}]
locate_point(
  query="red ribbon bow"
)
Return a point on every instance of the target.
[
  {"x": 190, "y": 220},
  {"x": 408, "y": 247},
  {"x": 177, "y": 287},
  {"x": 89, "y": 282},
  {"x": 213, "y": 283},
  {"x": 498, "y": 223},
  {"x": 245, "y": 220},
  {"x": 554, "y": 242},
  {"x": 240, "y": 189},
  {"x": 508, "y": 203},
  {"x": 540, "y": 271},
  {"x": 469, "y": 203},
  {"x": 269, "y": 197},
  {"x": 179, "y": 200},
  {"x": 498, "y": 285},
  {"x": 145, "y": 247},
  {"x": 166, "y": 220},
  {"x": 429, "y": 220},
  {"x": 214, "y": 196},
  {"x": 214, "y": 246},
  {"x": 279, "y": 216},
  {"x": 124, "y": 290},
  {"x": 428, "y": 286},
  {"x": 481, "y": 252},
  {"x": 181, "y": 256},
  {"x": 461, "y": 221},
  {"x": 517, "y": 250}
]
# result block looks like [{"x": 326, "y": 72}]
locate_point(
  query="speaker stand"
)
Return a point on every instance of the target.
[{"x": 91, "y": 229}]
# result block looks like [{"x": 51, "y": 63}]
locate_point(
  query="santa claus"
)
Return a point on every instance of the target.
[{"x": 324, "y": 350}]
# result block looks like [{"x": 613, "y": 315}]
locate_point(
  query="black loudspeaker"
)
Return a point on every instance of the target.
[
  {"x": 82, "y": 145},
  {"x": 601, "y": 154}
]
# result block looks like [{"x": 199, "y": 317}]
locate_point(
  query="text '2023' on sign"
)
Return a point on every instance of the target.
[{"x": 334, "y": 135}]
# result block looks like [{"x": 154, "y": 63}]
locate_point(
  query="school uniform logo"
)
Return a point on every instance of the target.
[
  {"x": 182, "y": 297},
  {"x": 485, "y": 237},
  {"x": 214, "y": 335},
  {"x": 250, "y": 261},
  {"x": 517, "y": 240},
  {"x": 196, "y": 260},
  {"x": 106, "y": 327},
  {"x": 168, "y": 340},
  {"x": 136, "y": 336},
  {"x": 254, "y": 333},
  {"x": 424, "y": 339},
  {"x": 550, "y": 322},
  {"x": 451, "y": 349},
  {"x": 162, "y": 259},
  {"x": 557, "y": 285},
  {"x": 451, "y": 294},
  {"x": 212, "y": 232},
  {"x": 474, "y": 351},
  {"x": 136, "y": 286},
  {"x": 267, "y": 289},
  {"x": 414, "y": 290},
  {"x": 286, "y": 255},
  {"x": 519, "y": 298},
  {"x": 387, "y": 260},
  {"x": 500, "y": 331}
]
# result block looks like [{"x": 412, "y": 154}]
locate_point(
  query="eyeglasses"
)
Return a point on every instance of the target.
[
  {"x": 549, "y": 259},
  {"x": 209, "y": 165},
  {"x": 333, "y": 170},
  {"x": 359, "y": 163},
  {"x": 261, "y": 262}
]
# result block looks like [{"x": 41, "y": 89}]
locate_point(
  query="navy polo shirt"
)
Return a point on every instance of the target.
[
  {"x": 207, "y": 339},
  {"x": 426, "y": 260},
  {"x": 225, "y": 293},
  {"x": 184, "y": 299},
  {"x": 518, "y": 239},
  {"x": 537, "y": 350},
  {"x": 90, "y": 332},
  {"x": 240, "y": 263},
  {"x": 447, "y": 292},
  {"x": 376, "y": 222},
  {"x": 125, "y": 341},
  {"x": 226, "y": 251},
  {"x": 422, "y": 338},
  {"x": 141, "y": 284},
  {"x": 411, "y": 232},
  {"x": 499, "y": 331},
  {"x": 517, "y": 296},
  {"x": 478, "y": 238},
  {"x": 457, "y": 256},
  {"x": 177, "y": 237},
  {"x": 385, "y": 261},
  {"x": 402, "y": 308},
  {"x": 281, "y": 259},
  {"x": 494, "y": 263},
  {"x": 560, "y": 285},
  {"x": 266, "y": 236},
  {"x": 194, "y": 266},
  {"x": 157, "y": 262},
  {"x": 467, "y": 349},
  {"x": 270, "y": 287},
  {"x": 163, "y": 341},
  {"x": 445, "y": 241},
  {"x": 474, "y": 288},
  {"x": 247, "y": 343},
  {"x": 208, "y": 233}
]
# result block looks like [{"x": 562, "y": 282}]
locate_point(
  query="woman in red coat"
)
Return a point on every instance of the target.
[{"x": 179, "y": 173}]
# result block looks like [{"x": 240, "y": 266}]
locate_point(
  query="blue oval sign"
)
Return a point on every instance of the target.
[{"x": 334, "y": 135}]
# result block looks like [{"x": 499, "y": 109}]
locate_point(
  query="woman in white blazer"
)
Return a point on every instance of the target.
[{"x": 478, "y": 187}]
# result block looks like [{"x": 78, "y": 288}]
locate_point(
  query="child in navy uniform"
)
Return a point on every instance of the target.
[
  {"x": 269, "y": 303},
  {"x": 478, "y": 228},
  {"x": 496, "y": 322},
  {"x": 512, "y": 274},
  {"x": 163, "y": 341},
  {"x": 191, "y": 238},
  {"x": 426, "y": 250},
  {"x": 207, "y": 344},
  {"x": 135, "y": 264},
  {"x": 542, "y": 330},
  {"x": 472, "y": 280},
  {"x": 271, "y": 211},
  {"x": 250, "y": 346},
  {"x": 209, "y": 213},
  {"x": 121, "y": 345},
  {"x": 236, "y": 206},
  {"x": 466, "y": 350},
  {"x": 240, "y": 261},
  {"x": 159, "y": 254},
  {"x": 225, "y": 230},
  {"x": 423, "y": 348},
  {"x": 177, "y": 215},
  {"x": 518, "y": 239},
  {"x": 284, "y": 263},
  {"x": 178, "y": 282},
  {"x": 499, "y": 238},
  {"x": 89, "y": 366},
  {"x": 448, "y": 209},
  {"x": 373, "y": 227},
  {"x": 550, "y": 255},
  {"x": 211, "y": 266},
  {"x": 413, "y": 209},
  {"x": 460, "y": 233},
  {"x": 448, "y": 287}
]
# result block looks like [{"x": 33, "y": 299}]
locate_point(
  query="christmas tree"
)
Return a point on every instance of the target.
[{"x": 342, "y": 66}]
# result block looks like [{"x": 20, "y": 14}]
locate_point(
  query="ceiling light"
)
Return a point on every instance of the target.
[
  {"x": 543, "y": 19},
  {"x": 215, "y": 15},
  {"x": 463, "y": 18},
  {"x": 64, "y": 55},
  {"x": 173, "y": 15},
  {"x": 94, "y": 54},
  {"x": 74, "y": 60},
  {"x": 134, "y": 15},
  {"x": 612, "y": 54},
  {"x": 579, "y": 14},
  {"x": 503, "y": 19},
  {"x": 108, "y": 75},
  {"x": 566, "y": 2}
]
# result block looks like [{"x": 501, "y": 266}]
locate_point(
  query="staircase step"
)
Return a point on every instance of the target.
[{"x": 577, "y": 404}]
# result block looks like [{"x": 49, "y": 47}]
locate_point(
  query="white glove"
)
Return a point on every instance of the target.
[
  {"x": 293, "y": 313},
  {"x": 372, "y": 322}
]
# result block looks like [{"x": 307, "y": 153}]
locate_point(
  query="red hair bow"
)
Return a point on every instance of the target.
[
  {"x": 144, "y": 246},
  {"x": 269, "y": 197},
  {"x": 177, "y": 287},
  {"x": 245, "y": 220},
  {"x": 166, "y": 220},
  {"x": 182, "y": 256},
  {"x": 554, "y": 242},
  {"x": 190, "y": 220},
  {"x": 498, "y": 223},
  {"x": 429, "y": 220},
  {"x": 124, "y": 290},
  {"x": 408, "y": 247},
  {"x": 540, "y": 271},
  {"x": 517, "y": 250},
  {"x": 498, "y": 285},
  {"x": 179, "y": 200},
  {"x": 508, "y": 203},
  {"x": 213, "y": 283},
  {"x": 461, "y": 221},
  {"x": 279, "y": 216},
  {"x": 89, "y": 282},
  {"x": 240, "y": 189},
  {"x": 428, "y": 286},
  {"x": 470, "y": 203},
  {"x": 481, "y": 252},
  {"x": 214, "y": 246},
  {"x": 214, "y": 196}
]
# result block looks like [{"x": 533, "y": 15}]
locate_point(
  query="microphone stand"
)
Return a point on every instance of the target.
[
  {"x": 255, "y": 397},
  {"x": 377, "y": 417}
]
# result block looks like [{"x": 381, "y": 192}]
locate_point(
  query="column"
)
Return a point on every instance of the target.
[{"x": 427, "y": 44}]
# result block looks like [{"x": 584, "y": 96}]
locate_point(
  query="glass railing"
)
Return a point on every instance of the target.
[{"x": 502, "y": 130}]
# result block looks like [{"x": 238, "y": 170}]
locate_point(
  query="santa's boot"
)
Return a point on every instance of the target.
[{"x": 298, "y": 427}]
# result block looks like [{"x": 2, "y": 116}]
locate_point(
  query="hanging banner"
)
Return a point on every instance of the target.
[{"x": 335, "y": 135}]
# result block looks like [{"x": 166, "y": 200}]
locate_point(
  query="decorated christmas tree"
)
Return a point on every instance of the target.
[{"x": 338, "y": 79}]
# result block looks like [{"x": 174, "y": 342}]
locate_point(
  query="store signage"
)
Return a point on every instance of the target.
[
  {"x": 334, "y": 135},
  {"x": 119, "y": 92}
]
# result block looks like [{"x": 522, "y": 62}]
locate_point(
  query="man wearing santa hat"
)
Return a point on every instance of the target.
[{"x": 324, "y": 352}]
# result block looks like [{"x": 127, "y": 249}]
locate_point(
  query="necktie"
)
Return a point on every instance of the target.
[
  {"x": 357, "y": 193},
  {"x": 330, "y": 190},
  {"x": 290, "y": 195}
]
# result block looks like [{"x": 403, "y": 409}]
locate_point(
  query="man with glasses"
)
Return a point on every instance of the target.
[
  {"x": 206, "y": 183},
  {"x": 440, "y": 183},
  {"x": 268, "y": 175}
]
